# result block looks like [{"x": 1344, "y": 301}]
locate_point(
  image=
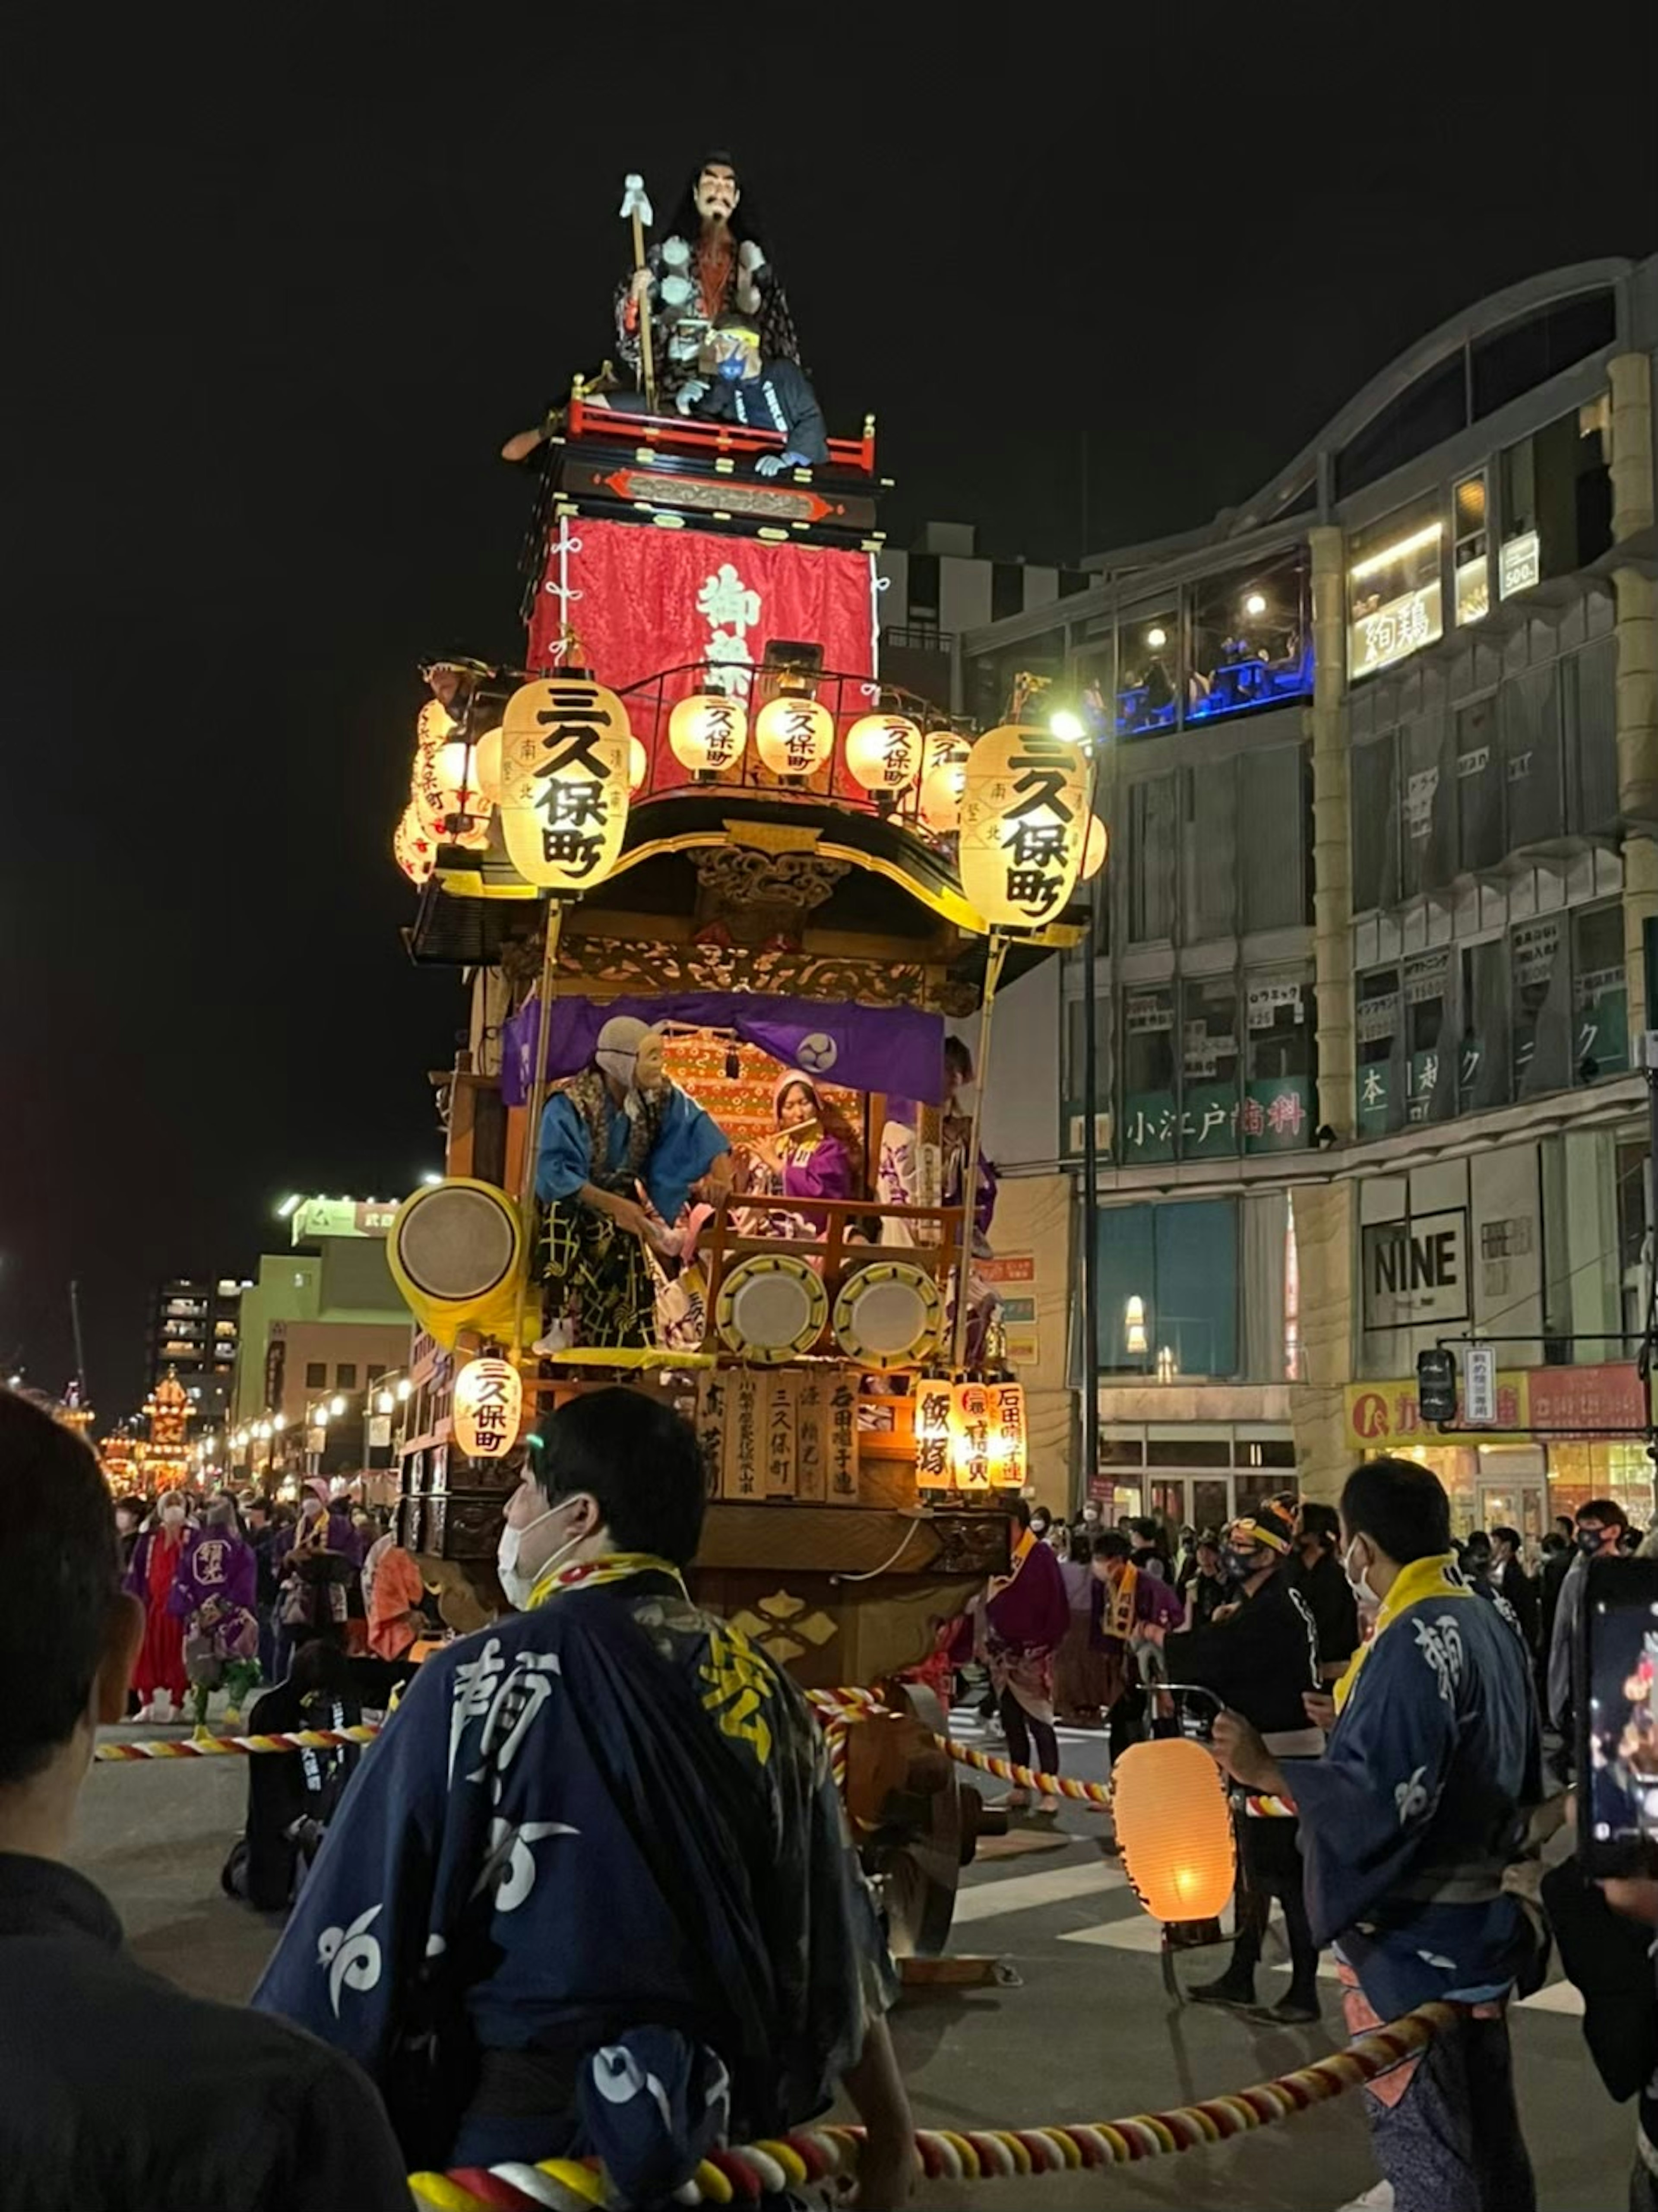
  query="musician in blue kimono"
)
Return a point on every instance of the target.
[
  {"x": 619, "y": 1144},
  {"x": 1407, "y": 1824},
  {"x": 592, "y": 1891}
]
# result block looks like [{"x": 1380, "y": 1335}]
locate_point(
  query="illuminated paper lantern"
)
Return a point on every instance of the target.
[
  {"x": 486, "y": 767},
  {"x": 639, "y": 765},
  {"x": 1008, "y": 1455},
  {"x": 454, "y": 772},
  {"x": 883, "y": 752},
  {"x": 413, "y": 850},
  {"x": 434, "y": 724},
  {"x": 564, "y": 782},
  {"x": 426, "y": 801},
  {"x": 1024, "y": 815},
  {"x": 971, "y": 1465},
  {"x": 932, "y": 1401},
  {"x": 795, "y": 735},
  {"x": 1173, "y": 1828},
  {"x": 942, "y": 781},
  {"x": 1096, "y": 845},
  {"x": 707, "y": 733},
  {"x": 489, "y": 1406}
]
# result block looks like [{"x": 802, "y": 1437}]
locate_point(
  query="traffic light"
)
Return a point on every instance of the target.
[{"x": 1435, "y": 1385}]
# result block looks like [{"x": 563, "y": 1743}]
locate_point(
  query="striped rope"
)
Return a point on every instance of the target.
[
  {"x": 742, "y": 2176},
  {"x": 1026, "y": 1777},
  {"x": 221, "y": 1747}
]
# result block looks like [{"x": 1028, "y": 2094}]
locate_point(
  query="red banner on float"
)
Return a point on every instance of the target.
[{"x": 643, "y": 599}]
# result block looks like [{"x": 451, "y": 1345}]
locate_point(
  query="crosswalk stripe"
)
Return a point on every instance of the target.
[{"x": 1024, "y": 1892}]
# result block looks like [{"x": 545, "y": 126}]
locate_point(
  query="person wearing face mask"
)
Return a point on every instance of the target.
[
  {"x": 1600, "y": 1525},
  {"x": 159, "y": 1675},
  {"x": 1408, "y": 1823},
  {"x": 600, "y": 1850},
  {"x": 1316, "y": 1572},
  {"x": 620, "y": 1132},
  {"x": 758, "y": 394},
  {"x": 312, "y": 1574},
  {"x": 1259, "y": 1656}
]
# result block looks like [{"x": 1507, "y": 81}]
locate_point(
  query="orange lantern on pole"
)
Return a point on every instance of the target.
[
  {"x": 489, "y": 1407},
  {"x": 883, "y": 752},
  {"x": 707, "y": 733},
  {"x": 793, "y": 734},
  {"x": 1008, "y": 1455},
  {"x": 970, "y": 1460},
  {"x": 1175, "y": 1828},
  {"x": 564, "y": 782},
  {"x": 932, "y": 1399}
]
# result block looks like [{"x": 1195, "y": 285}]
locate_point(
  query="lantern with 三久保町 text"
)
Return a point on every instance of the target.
[
  {"x": 489, "y": 1406},
  {"x": 1024, "y": 817},
  {"x": 793, "y": 735},
  {"x": 883, "y": 752},
  {"x": 943, "y": 777},
  {"x": 1175, "y": 1828},
  {"x": 708, "y": 732},
  {"x": 564, "y": 782}
]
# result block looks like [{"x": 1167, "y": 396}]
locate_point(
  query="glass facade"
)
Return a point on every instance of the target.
[{"x": 1169, "y": 1289}]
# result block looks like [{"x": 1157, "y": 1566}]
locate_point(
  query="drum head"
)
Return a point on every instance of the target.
[
  {"x": 889, "y": 1315},
  {"x": 456, "y": 1240},
  {"x": 772, "y": 1306}
]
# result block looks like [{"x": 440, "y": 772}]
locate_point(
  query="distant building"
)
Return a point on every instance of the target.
[
  {"x": 933, "y": 593},
  {"x": 1377, "y": 934},
  {"x": 194, "y": 1330}
]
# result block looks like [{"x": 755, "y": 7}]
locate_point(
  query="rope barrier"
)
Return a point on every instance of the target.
[
  {"x": 221, "y": 1747},
  {"x": 1026, "y": 1777},
  {"x": 744, "y": 2175}
]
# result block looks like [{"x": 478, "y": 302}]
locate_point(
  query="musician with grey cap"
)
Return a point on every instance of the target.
[{"x": 620, "y": 1146}]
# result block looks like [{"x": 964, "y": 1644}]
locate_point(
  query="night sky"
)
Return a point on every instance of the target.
[{"x": 277, "y": 287}]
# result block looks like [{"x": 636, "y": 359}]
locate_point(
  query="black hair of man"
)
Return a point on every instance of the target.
[
  {"x": 1145, "y": 1530},
  {"x": 1019, "y": 1509},
  {"x": 685, "y": 221},
  {"x": 958, "y": 1056},
  {"x": 637, "y": 1458},
  {"x": 1562, "y": 1522},
  {"x": 1508, "y": 1537},
  {"x": 1402, "y": 1508},
  {"x": 1110, "y": 1544},
  {"x": 64, "y": 1577},
  {"x": 1554, "y": 1543},
  {"x": 1607, "y": 1511},
  {"x": 1322, "y": 1521}
]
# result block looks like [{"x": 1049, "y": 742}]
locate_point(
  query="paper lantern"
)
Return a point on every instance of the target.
[
  {"x": 639, "y": 765},
  {"x": 413, "y": 850},
  {"x": 1096, "y": 845},
  {"x": 971, "y": 1464},
  {"x": 1008, "y": 1456},
  {"x": 883, "y": 752},
  {"x": 489, "y": 1406},
  {"x": 486, "y": 767},
  {"x": 434, "y": 724},
  {"x": 564, "y": 782},
  {"x": 795, "y": 735},
  {"x": 932, "y": 1402},
  {"x": 707, "y": 733},
  {"x": 1025, "y": 814},
  {"x": 941, "y": 782},
  {"x": 1173, "y": 1828}
]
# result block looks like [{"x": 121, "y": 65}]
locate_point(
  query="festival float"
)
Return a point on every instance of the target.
[{"x": 714, "y": 887}]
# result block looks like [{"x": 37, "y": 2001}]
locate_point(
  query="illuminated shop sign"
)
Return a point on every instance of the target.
[
  {"x": 1521, "y": 564},
  {"x": 1396, "y": 629}
]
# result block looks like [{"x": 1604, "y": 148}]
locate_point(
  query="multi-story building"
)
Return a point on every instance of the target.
[
  {"x": 938, "y": 590},
  {"x": 193, "y": 1333},
  {"x": 1379, "y": 761}
]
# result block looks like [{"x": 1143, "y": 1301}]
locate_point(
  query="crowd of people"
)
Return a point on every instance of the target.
[{"x": 1369, "y": 1689}]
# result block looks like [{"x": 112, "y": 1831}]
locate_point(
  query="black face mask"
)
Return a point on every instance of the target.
[
  {"x": 1589, "y": 1541},
  {"x": 1238, "y": 1566}
]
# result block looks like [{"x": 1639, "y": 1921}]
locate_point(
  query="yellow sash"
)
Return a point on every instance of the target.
[
  {"x": 1122, "y": 1603},
  {"x": 593, "y": 1574},
  {"x": 1437, "y": 1576}
]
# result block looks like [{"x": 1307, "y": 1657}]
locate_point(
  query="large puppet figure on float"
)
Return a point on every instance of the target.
[{"x": 620, "y": 1146}]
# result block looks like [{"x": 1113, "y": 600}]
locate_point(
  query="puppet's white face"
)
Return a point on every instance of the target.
[
  {"x": 717, "y": 193},
  {"x": 647, "y": 1065}
]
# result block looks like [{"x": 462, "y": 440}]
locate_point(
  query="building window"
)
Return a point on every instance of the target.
[
  {"x": 1149, "y": 1105},
  {"x": 1148, "y": 680},
  {"x": 1276, "y": 1114},
  {"x": 1006, "y": 589},
  {"x": 1557, "y": 501},
  {"x": 1470, "y": 556},
  {"x": 1152, "y": 859},
  {"x": 1482, "y": 1059},
  {"x": 1588, "y": 693},
  {"x": 1395, "y": 589},
  {"x": 1541, "y": 1035},
  {"x": 1433, "y": 409},
  {"x": 1168, "y": 1276},
  {"x": 1274, "y": 837},
  {"x": 1431, "y": 1071},
  {"x": 1479, "y": 787},
  {"x": 1599, "y": 989},
  {"x": 373, "y": 1372},
  {"x": 1529, "y": 713},
  {"x": 1427, "y": 804},
  {"x": 1377, "y": 1028},
  {"x": 1076, "y": 1060},
  {"x": 1527, "y": 353},
  {"x": 1251, "y": 640},
  {"x": 316, "y": 1374},
  {"x": 1209, "y": 1068},
  {"x": 345, "y": 1375},
  {"x": 1209, "y": 853},
  {"x": 1376, "y": 824}
]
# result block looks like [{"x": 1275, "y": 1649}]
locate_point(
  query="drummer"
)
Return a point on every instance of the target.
[{"x": 806, "y": 1157}]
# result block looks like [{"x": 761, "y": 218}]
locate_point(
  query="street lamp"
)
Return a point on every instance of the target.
[{"x": 336, "y": 1406}]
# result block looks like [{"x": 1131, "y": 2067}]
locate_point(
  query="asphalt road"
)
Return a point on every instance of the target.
[{"x": 1082, "y": 2030}]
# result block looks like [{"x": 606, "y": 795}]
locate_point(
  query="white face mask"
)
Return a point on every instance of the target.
[
  {"x": 1359, "y": 1585},
  {"x": 173, "y": 1515},
  {"x": 517, "y": 1585}
]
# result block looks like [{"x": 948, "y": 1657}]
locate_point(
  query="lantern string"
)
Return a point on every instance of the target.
[{"x": 750, "y": 2172}]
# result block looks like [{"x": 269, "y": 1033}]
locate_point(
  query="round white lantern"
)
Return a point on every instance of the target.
[
  {"x": 883, "y": 752},
  {"x": 707, "y": 733},
  {"x": 795, "y": 735}
]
